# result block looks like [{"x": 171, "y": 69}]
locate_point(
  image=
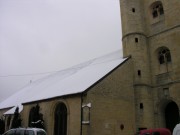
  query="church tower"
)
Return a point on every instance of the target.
[{"x": 151, "y": 36}]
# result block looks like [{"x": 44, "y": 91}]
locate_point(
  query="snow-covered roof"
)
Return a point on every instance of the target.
[
  {"x": 12, "y": 110},
  {"x": 69, "y": 81}
]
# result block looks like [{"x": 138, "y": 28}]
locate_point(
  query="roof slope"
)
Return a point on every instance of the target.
[{"x": 69, "y": 81}]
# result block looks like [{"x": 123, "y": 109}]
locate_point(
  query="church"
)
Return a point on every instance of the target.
[{"x": 114, "y": 94}]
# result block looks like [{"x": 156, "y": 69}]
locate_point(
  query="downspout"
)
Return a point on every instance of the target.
[{"x": 81, "y": 113}]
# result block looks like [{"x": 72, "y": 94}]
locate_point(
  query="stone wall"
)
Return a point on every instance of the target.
[
  {"x": 112, "y": 104},
  {"x": 47, "y": 108}
]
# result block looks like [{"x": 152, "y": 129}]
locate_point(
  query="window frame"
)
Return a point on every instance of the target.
[
  {"x": 157, "y": 9},
  {"x": 164, "y": 55}
]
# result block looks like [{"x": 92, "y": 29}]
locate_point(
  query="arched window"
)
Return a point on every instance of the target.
[
  {"x": 86, "y": 113},
  {"x": 31, "y": 116},
  {"x": 8, "y": 122},
  {"x": 157, "y": 9},
  {"x": 60, "y": 120},
  {"x": 36, "y": 118},
  {"x": 164, "y": 55}
]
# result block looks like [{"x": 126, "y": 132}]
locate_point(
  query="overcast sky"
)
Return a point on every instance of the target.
[{"x": 38, "y": 37}]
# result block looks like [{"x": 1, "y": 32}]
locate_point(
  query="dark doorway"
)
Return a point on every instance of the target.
[
  {"x": 171, "y": 115},
  {"x": 60, "y": 125}
]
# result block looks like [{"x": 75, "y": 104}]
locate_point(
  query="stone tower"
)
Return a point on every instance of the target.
[{"x": 151, "y": 36}]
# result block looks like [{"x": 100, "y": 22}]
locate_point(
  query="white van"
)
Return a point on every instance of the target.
[
  {"x": 176, "y": 130},
  {"x": 25, "y": 131}
]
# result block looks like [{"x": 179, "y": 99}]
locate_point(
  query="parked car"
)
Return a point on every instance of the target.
[
  {"x": 176, "y": 130},
  {"x": 25, "y": 131},
  {"x": 157, "y": 131}
]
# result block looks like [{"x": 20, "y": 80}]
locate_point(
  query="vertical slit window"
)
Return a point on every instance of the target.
[
  {"x": 133, "y": 10},
  {"x": 141, "y": 106},
  {"x": 139, "y": 72},
  {"x": 136, "y": 40}
]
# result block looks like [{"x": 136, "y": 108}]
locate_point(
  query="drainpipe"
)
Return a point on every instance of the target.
[{"x": 81, "y": 111}]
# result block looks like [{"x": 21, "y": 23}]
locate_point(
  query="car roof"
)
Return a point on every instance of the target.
[
  {"x": 156, "y": 129},
  {"x": 35, "y": 129}
]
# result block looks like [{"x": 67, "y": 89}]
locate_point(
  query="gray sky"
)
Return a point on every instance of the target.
[{"x": 42, "y": 36}]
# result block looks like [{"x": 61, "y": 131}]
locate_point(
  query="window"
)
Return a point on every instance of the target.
[
  {"x": 41, "y": 133},
  {"x": 20, "y": 132},
  {"x": 60, "y": 119},
  {"x": 29, "y": 132},
  {"x": 156, "y": 133},
  {"x": 31, "y": 116},
  {"x": 133, "y": 10},
  {"x": 157, "y": 9},
  {"x": 139, "y": 72},
  {"x": 36, "y": 118},
  {"x": 136, "y": 40},
  {"x": 86, "y": 113},
  {"x": 11, "y": 132},
  {"x": 141, "y": 106},
  {"x": 8, "y": 121},
  {"x": 146, "y": 133},
  {"x": 164, "y": 55}
]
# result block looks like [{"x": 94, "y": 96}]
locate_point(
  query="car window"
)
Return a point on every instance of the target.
[
  {"x": 41, "y": 133},
  {"x": 137, "y": 133},
  {"x": 29, "y": 132},
  {"x": 11, "y": 132},
  {"x": 146, "y": 133},
  {"x": 156, "y": 133},
  {"x": 20, "y": 132}
]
